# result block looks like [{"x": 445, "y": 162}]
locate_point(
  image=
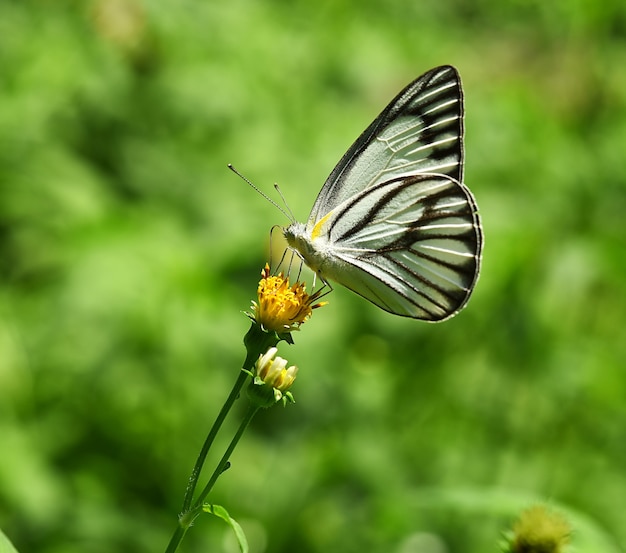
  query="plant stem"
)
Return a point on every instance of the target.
[
  {"x": 222, "y": 464},
  {"x": 190, "y": 515},
  {"x": 257, "y": 341},
  {"x": 193, "y": 479},
  {"x": 177, "y": 537}
]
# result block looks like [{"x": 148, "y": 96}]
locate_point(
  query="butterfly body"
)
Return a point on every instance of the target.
[{"x": 393, "y": 221}]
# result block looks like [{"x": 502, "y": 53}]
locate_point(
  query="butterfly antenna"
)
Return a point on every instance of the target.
[
  {"x": 285, "y": 213},
  {"x": 280, "y": 193}
]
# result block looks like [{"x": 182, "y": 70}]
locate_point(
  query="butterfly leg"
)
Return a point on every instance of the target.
[
  {"x": 324, "y": 290},
  {"x": 282, "y": 257}
]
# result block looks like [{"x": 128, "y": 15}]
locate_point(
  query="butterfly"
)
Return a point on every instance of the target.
[{"x": 394, "y": 221}]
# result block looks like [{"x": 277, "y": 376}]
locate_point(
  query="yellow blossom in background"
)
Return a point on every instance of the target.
[
  {"x": 540, "y": 530},
  {"x": 281, "y": 307},
  {"x": 121, "y": 22}
]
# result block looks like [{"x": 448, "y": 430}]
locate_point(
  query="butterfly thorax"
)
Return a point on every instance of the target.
[{"x": 312, "y": 250}]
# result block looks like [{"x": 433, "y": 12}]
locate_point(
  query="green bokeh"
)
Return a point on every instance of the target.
[{"x": 128, "y": 252}]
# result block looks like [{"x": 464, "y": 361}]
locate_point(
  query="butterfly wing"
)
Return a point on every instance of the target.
[
  {"x": 393, "y": 221},
  {"x": 420, "y": 131},
  {"x": 409, "y": 245}
]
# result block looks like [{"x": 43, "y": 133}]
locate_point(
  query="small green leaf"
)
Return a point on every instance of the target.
[
  {"x": 5, "y": 545},
  {"x": 222, "y": 513}
]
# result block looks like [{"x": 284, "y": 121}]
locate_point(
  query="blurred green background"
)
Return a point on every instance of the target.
[{"x": 128, "y": 253}]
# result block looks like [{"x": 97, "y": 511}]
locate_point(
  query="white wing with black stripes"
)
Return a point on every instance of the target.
[{"x": 394, "y": 222}]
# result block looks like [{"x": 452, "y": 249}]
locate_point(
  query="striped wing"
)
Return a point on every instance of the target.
[
  {"x": 420, "y": 131},
  {"x": 409, "y": 245}
]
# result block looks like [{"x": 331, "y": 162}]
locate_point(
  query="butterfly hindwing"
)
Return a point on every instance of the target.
[{"x": 409, "y": 245}]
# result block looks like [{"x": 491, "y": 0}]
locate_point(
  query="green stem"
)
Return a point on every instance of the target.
[
  {"x": 257, "y": 341},
  {"x": 221, "y": 466},
  {"x": 187, "y": 518},
  {"x": 195, "y": 474},
  {"x": 177, "y": 537}
]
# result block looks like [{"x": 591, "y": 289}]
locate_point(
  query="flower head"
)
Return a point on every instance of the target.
[
  {"x": 282, "y": 308},
  {"x": 272, "y": 379},
  {"x": 539, "y": 529}
]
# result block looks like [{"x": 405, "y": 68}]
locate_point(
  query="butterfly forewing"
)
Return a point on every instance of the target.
[{"x": 420, "y": 131}]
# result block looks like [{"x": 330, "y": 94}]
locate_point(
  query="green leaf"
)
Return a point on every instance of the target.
[
  {"x": 222, "y": 513},
  {"x": 5, "y": 545}
]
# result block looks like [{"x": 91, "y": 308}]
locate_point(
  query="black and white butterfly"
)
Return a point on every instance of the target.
[{"x": 394, "y": 221}]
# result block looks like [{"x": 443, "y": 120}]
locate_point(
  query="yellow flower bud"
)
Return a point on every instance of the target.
[
  {"x": 271, "y": 370},
  {"x": 540, "y": 530},
  {"x": 272, "y": 379}
]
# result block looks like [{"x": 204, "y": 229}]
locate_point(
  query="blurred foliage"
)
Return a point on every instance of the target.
[{"x": 129, "y": 251}]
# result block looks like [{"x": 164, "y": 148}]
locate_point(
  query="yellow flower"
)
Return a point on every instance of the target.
[
  {"x": 281, "y": 307},
  {"x": 540, "y": 530}
]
